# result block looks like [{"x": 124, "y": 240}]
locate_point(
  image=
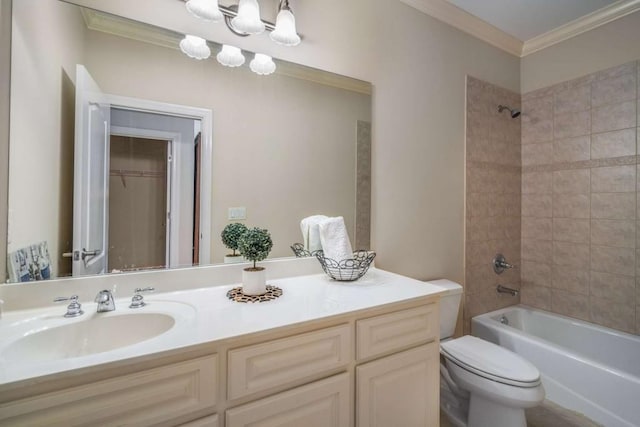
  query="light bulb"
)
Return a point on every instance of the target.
[
  {"x": 248, "y": 18},
  {"x": 262, "y": 64},
  {"x": 285, "y": 32},
  {"x": 207, "y": 10},
  {"x": 195, "y": 47},
  {"x": 230, "y": 56}
]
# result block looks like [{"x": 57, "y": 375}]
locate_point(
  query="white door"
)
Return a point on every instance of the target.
[{"x": 91, "y": 177}]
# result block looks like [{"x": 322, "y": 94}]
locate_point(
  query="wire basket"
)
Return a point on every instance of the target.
[
  {"x": 347, "y": 270},
  {"x": 300, "y": 252}
]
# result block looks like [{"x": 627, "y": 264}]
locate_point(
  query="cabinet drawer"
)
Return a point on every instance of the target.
[
  {"x": 396, "y": 331},
  {"x": 324, "y": 403},
  {"x": 210, "y": 421},
  {"x": 144, "y": 398},
  {"x": 287, "y": 361}
]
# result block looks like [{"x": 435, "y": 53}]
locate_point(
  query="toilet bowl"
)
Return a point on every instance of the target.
[{"x": 482, "y": 384}]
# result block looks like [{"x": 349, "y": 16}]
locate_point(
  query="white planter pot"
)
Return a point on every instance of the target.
[
  {"x": 254, "y": 282},
  {"x": 234, "y": 259}
]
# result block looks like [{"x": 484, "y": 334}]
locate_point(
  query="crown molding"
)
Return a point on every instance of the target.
[
  {"x": 468, "y": 23},
  {"x": 581, "y": 25}
]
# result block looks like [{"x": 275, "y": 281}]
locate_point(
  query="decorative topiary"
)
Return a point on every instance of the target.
[
  {"x": 231, "y": 234},
  {"x": 255, "y": 244}
]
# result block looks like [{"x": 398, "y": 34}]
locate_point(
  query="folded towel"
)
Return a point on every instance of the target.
[
  {"x": 335, "y": 240},
  {"x": 311, "y": 233}
]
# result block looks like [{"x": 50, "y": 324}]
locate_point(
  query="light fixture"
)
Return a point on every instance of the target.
[
  {"x": 285, "y": 32},
  {"x": 207, "y": 10},
  {"x": 248, "y": 18},
  {"x": 195, "y": 47},
  {"x": 230, "y": 56},
  {"x": 262, "y": 64}
]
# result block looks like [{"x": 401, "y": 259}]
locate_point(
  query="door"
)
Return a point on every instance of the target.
[{"x": 91, "y": 177}]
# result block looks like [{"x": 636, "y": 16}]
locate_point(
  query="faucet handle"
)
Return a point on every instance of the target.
[
  {"x": 137, "y": 300},
  {"x": 74, "y": 309}
]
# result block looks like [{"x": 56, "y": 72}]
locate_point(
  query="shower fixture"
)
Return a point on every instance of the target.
[{"x": 514, "y": 111}]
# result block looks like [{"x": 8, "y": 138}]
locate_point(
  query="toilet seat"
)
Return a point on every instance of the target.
[{"x": 490, "y": 361}]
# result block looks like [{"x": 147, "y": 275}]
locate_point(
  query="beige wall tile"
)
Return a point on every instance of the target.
[
  {"x": 570, "y": 230},
  {"x": 572, "y": 124},
  {"x": 537, "y": 250},
  {"x": 569, "y": 279},
  {"x": 537, "y": 154},
  {"x": 573, "y": 99},
  {"x": 536, "y": 296},
  {"x": 571, "y": 255},
  {"x": 614, "y": 89},
  {"x": 537, "y": 182},
  {"x": 614, "y": 117},
  {"x": 479, "y": 278},
  {"x": 613, "y": 179},
  {"x": 572, "y": 149},
  {"x": 477, "y": 229},
  {"x": 537, "y": 131},
  {"x": 617, "y": 315},
  {"x": 574, "y": 181},
  {"x": 572, "y": 205},
  {"x": 478, "y": 253},
  {"x": 537, "y": 205},
  {"x": 538, "y": 228},
  {"x": 613, "y": 144},
  {"x": 614, "y": 287},
  {"x": 479, "y": 204},
  {"x": 570, "y": 304},
  {"x": 607, "y": 259},
  {"x": 618, "y": 70},
  {"x": 613, "y": 205},
  {"x": 536, "y": 274},
  {"x": 613, "y": 232}
]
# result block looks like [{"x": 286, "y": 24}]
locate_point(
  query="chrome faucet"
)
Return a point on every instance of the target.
[{"x": 105, "y": 301}]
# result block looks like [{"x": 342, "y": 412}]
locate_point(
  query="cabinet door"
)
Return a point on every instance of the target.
[
  {"x": 324, "y": 403},
  {"x": 399, "y": 390}
]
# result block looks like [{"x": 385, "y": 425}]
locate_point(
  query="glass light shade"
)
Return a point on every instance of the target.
[
  {"x": 207, "y": 10},
  {"x": 285, "y": 32},
  {"x": 248, "y": 18},
  {"x": 262, "y": 64},
  {"x": 230, "y": 56},
  {"x": 195, "y": 47}
]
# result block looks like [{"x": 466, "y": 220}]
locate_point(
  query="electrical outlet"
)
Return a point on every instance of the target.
[{"x": 238, "y": 213}]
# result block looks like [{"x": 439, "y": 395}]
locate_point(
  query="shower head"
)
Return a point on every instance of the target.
[{"x": 514, "y": 111}]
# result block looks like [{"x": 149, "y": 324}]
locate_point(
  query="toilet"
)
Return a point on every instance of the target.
[{"x": 482, "y": 384}]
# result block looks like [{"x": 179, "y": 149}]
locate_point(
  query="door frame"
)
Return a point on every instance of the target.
[{"x": 206, "y": 128}]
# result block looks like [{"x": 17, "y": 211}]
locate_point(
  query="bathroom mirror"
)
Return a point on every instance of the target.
[{"x": 281, "y": 147}]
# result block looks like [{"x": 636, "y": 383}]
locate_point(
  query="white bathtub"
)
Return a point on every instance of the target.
[{"x": 587, "y": 368}]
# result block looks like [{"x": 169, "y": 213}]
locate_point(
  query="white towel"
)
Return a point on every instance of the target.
[
  {"x": 311, "y": 232},
  {"x": 335, "y": 240}
]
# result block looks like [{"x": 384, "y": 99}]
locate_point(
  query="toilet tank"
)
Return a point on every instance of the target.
[{"x": 449, "y": 306}]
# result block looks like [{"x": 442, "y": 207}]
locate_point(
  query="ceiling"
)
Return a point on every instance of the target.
[{"x": 526, "y": 19}]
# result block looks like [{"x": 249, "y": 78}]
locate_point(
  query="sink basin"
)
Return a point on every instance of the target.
[{"x": 96, "y": 334}]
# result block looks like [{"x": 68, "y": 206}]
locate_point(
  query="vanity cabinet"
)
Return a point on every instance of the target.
[{"x": 372, "y": 367}]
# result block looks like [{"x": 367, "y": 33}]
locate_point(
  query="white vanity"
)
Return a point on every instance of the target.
[{"x": 323, "y": 354}]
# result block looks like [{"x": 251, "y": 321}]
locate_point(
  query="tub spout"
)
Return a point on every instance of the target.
[{"x": 504, "y": 290}]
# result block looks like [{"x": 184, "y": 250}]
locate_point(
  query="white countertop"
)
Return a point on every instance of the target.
[{"x": 206, "y": 315}]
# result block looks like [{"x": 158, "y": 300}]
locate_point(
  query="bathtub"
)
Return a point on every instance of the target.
[{"x": 587, "y": 368}]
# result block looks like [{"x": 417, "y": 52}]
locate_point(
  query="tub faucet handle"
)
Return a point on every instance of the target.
[{"x": 500, "y": 264}]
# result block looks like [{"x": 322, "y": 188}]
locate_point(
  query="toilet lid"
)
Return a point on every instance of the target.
[{"x": 491, "y": 361}]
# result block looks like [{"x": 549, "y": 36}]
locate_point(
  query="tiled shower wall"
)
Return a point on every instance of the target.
[
  {"x": 493, "y": 184},
  {"x": 580, "y": 204}
]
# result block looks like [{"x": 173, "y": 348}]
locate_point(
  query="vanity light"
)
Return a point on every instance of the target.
[
  {"x": 207, "y": 10},
  {"x": 195, "y": 47},
  {"x": 285, "y": 32},
  {"x": 248, "y": 18},
  {"x": 262, "y": 64},
  {"x": 230, "y": 56}
]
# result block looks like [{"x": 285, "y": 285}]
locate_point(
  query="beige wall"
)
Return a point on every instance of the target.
[
  {"x": 42, "y": 126},
  {"x": 418, "y": 67},
  {"x": 580, "y": 188},
  {"x": 493, "y": 176},
  {"x": 607, "y": 46},
  {"x": 5, "y": 88}
]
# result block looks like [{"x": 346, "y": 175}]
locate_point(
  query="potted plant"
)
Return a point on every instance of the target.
[
  {"x": 230, "y": 236},
  {"x": 255, "y": 245}
]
